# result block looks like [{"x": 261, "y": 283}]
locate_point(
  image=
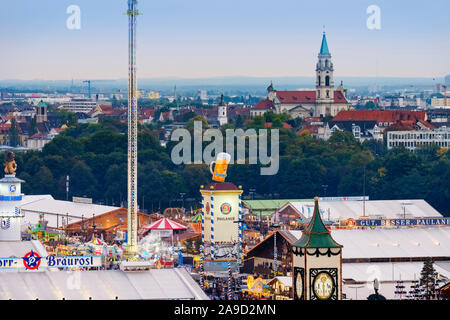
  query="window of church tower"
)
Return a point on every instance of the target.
[
  {"x": 328, "y": 93},
  {"x": 318, "y": 79},
  {"x": 318, "y": 94},
  {"x": 327, "y": 81}
]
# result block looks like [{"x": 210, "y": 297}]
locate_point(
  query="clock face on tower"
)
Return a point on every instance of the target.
[
  {"x": 323, "y": 286},
  {"x": 323, "y": 282},
  {"x": 298, "y": 283}
]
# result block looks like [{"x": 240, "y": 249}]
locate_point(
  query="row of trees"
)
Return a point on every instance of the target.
[{"x": 95, "y": 158}]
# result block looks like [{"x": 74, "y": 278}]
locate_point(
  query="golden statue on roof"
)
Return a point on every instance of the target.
[{"x": 10, "y": 163}]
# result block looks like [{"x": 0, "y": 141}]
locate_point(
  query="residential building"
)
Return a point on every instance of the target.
[
  {"x": 79, "y": 105},
  {"x": 415, "y": 138}
]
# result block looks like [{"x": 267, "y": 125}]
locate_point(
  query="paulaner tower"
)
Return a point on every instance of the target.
[{"x": 132, "y": 129}]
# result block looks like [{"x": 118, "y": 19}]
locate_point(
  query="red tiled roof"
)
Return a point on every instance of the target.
[
  {"x": 105, "y": 107},
  {"x": 37, "y": 135},
  {"x": 113, "y": 112},
  {"x": 313, "y": 119},
  {"x": 239, "y": 111},
  {"x": 263, "y": 105},
  {"x": 427, "y": 124},
  {"x": 389, "y": 116},
  {"x": 401, "y": 126},
  {"x": 296, "y": 96},
  {"x": 306, "y": 96},
  {"x": 339, "y": 97},
  {"x": 285, "y": 125},
  {"x": 314, "y": 129},
  {"x": 147, "y": 113}
]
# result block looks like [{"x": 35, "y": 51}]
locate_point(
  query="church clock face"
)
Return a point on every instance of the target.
[{"x": 323, "y": 286}]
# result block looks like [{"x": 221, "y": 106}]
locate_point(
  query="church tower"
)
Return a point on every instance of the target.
[
  {"x": 324, "y": 80},
  {"x": 317, "y": 262},
  {"x": 41, "y": 112},
  {"x": 222, "y": 112}
]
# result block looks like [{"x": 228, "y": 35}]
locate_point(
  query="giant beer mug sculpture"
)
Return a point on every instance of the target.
[{"x": 220, "y": 169}]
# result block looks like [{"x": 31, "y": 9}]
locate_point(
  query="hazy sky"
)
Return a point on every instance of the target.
[{"x": 207, "y": 38}]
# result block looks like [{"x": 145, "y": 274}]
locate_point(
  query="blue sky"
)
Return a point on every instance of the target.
[{"x": 207, "y": 38}]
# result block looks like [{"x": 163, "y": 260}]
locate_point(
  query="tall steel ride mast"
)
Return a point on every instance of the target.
[{"x": 132, "y": 129}]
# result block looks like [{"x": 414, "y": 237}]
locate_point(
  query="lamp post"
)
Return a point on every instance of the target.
[
  {"x": 324, "y": 186},
  {"x": 67, "y": 188},
  {"x": 364, "y": 190},
  {"x": 182, "y": 200},
  {"x": 275, "y": 250},
  {"x": 240, "y": 242},
  {"x": 404, "y": 204}
]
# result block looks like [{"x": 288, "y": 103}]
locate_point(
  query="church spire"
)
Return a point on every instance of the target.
[{"x": 324, "y": 46}]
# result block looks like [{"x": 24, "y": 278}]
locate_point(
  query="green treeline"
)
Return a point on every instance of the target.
[{"x": 95, "y": 158}]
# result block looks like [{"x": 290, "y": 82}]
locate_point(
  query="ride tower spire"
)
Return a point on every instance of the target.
[{"x": 132, "y": 130}]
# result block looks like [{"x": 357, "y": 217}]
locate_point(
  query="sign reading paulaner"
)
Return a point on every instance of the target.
[{"x": 32, "y": 260}]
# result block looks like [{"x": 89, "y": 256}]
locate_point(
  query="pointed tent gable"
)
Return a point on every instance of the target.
[
  {"x": 316, "y": 234},
  {"x": 324, "y": 46}
]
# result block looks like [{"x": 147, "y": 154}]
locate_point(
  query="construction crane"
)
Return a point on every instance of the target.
[
  {"x": 89, "y": 87},
  {"x": 132, "y": 130}
]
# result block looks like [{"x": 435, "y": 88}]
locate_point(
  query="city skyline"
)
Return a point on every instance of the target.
[{"x": 203, "y": 39}]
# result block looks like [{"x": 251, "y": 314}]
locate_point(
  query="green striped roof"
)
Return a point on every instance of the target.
[
  {"x": 316, "y": 234},
  {"x": 197, "y": 218},
  {"x": 267, "y": 207}
]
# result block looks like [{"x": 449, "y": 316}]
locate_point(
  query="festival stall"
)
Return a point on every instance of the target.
[
  {"x": 257, "y": 288},
  {"x": 196, "y": 223},
  {"x": 164, "y": 227}
]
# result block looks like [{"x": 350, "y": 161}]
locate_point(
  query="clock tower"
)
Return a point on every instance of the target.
[{"x": 317, "y": 262}]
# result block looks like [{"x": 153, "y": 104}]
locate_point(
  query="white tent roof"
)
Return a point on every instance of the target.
[
  {"x": 51, "y": 208},
  {"x": 387, "y": 273},
  {"x": 158, "y": 284},
  {"x": 52, "y": 284},
  {"x": 391, "y": 242},
  {"x": 373, "y": 208}
]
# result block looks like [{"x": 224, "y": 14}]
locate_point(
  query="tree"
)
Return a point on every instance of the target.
[
  {"x": 67, "y": 117},
  {"x": 14, "y": 139},
  {"x": 239, "y": 123},
  {"x": 197, "y": 244},
  {"x": 189, "y": 245},
  {"x": 370, "y": 105},
  {"x": 190, "y": 123},
  {"x": 33, "y": 126},
  {"x": 82, "y": 180},
  {"x": 63, "y": 146},
  {"x": 43, "y": 182},
  {"x": 428, "y": 278}
]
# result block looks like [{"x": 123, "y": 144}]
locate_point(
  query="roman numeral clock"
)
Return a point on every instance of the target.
[{"x": 317, "y": 261}]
